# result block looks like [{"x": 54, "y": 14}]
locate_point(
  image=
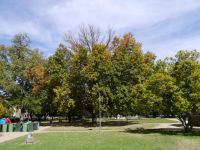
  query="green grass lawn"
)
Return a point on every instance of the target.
[
  {"x": 106, "y": 120},
  {"x": 119, "y": 126},
  {"x": 146, "y": 120},
  {"x": 105, "y": 141},
  {"x": 135, "y": 134},
  {"x": 155, "y": 120}
]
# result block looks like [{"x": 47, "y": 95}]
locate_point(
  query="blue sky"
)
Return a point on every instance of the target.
[{"x": 162, "y": 26}]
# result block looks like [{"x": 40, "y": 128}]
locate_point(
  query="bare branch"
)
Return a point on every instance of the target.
[{"x": 88, "y": 37}]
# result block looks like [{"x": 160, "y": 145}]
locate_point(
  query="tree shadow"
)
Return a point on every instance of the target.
[
  {"x": 117, "y": 123},
  {"x": 164, "y": 131},
  {"x": 89, "y": 124},
  {"x": 176, "y": 125}
]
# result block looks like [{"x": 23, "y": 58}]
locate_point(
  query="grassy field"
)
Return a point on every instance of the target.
[
  {"x": 114, "y": 135},
  {"x": 105, "y": 141},
  {"x": 120, "y": 127},
  {"x": 156, "y": 120},
  {"x": 149, "y": 120},
  {"x": 110, "y": 124},
  {"x": 107, "y": 121}
]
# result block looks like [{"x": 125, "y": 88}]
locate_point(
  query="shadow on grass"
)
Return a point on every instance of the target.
[
  {"x": 89, "y": 124},
  {"x": 176, "y": 125},
  {"x": 163, "y": 131}
]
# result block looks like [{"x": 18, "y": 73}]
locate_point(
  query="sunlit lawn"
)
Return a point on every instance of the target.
[
  {"x": 111, "y": 124},
  {"x": 154, "y": 120},
  {"x": 114, "y": 135},
  {"x": 105, "y": 141},
  {"x": 103, "y": 128}
]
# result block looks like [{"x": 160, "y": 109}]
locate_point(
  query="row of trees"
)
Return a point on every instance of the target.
[{"x": 91, "y": 70}]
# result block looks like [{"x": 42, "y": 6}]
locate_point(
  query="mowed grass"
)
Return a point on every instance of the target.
[
  {"x": 147, "y": 120},
  {"x": 141, "y": 120},
  {"x": 120, "y": 127},
  {"x": 114, "y": 135},
  {"x": 155, "y": 120},
  {"x": 113, "y": 124},
  {"x": 104, "y": 140}
]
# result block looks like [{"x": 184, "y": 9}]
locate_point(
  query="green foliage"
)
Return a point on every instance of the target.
[
  {"x": 176, "y": 83},
  {"x": 131, "y": 68},
  {"x": 1, "y": 109},
  {"x": 115, "y": 76},
  {"x": 186, "y": 72},
  {"x": 17, "y": 78},
  {"x": 57, "y": 83}
]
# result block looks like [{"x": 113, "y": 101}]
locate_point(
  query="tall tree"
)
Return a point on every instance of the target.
[
  {"x": 176, "y": 84},
  {"x": 16, "y": 61},
  {"x": 186, "y": 72},
  {"x": 86, "y": 47},
  {"x": 57, "y": 83},
  {"x": 132, "y": 67},
  {"x": 77, "y": 81},
  {"x": 98, "y": 73}
]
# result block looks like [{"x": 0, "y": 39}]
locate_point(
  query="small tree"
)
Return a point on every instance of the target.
[
  {"x": 187, "y": 75},
  {"x": 177, "y": 83}
]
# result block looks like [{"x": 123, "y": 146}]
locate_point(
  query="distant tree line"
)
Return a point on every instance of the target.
[{"x": 92, "y": 70}]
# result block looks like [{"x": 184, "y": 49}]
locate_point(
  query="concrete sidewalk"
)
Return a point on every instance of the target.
[{"x": 7, "y": 136}]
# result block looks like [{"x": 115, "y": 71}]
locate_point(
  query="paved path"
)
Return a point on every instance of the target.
[
  {"x": 168, "y": 126},
  {"x": 173, "y": 126},
  {"x": 6, "y": 136},
  {"x": 11, "y": 135}
]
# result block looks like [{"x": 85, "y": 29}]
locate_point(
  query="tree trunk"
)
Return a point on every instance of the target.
[
  {"x": 186, "y": 122},
  {"x": 51, "y": 120},
  {"x": 187, "y": 128},
  {"x": 94, "y": 119},
  {"x": 126, "y": 118},
  {"x": 60, "y": 119},
  {"x": 93, "y": 115},
  {"x": 69, "y": 118}
]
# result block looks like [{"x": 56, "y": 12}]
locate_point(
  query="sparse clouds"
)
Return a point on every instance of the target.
[{"x": 158, "y": 24}]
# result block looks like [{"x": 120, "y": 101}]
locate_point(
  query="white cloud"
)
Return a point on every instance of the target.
[
  {"x": 167, "y": 49},
  {"x": 35, "y": 30},
  {"x": 49, "y": 19},
  {"x": 119, "y": 14}
]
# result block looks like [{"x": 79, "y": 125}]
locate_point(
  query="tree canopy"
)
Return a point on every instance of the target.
[{"x": 89, "y": 70}]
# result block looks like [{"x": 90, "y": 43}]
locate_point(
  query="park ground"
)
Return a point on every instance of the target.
[{"x": 137, "y": 134}]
